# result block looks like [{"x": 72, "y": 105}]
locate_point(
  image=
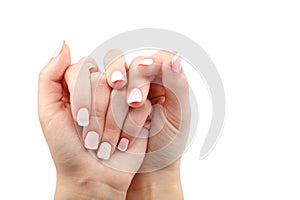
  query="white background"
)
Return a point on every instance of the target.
[{"x": 254, "y": 44}]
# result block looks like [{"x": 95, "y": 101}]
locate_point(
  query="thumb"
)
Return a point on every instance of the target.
[
  {"x": 168, "y": 68},
  {"x": 50, "y": 81},
  {"x": 177, "y": 107}
]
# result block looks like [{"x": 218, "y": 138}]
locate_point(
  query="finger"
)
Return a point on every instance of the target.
[
  {"x": 78, "y": 80},
  {"x": 50, "y": 78},
  {"x": 162, "y": 59},
  {"x": 131, "y": 160},
  {"x": 115, "y": 116},
  {"x": 142, "y": 70},
  {"x": 115, "y": 67},
  {"x": 91, "y": 134},
  {"x": 174, "y": 82},
  {"x": 100, "y": 99},
  {"x": 138, "y": 84},
  {"x": 133, "y": 125},
  {"x": 177, "y": 94}
]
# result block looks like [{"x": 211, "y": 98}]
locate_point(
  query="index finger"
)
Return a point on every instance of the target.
[{"x": 77, "y": 78}]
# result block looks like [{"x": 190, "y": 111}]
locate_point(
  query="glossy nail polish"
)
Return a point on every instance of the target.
[
  {"x": 147, "y": 61},
  {"x": 91, "y": 140},
  {"x": 135, "y": 96},
  {"x": 104, "y": 151},
  {"x": 117, "y": 76},
  {"x": 176, "y": 64},
  {"x": 90, "y": 66},
  {"x": 83, "y": 117},
  {"x": 123, "y": 144}
]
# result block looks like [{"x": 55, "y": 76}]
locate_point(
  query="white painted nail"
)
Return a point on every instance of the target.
[
  {"x": 91, "y": 140},
  {"x": 90, "y": 66},
  {"x": 123, "y": 144},
  {"x": 58, "y": 49},
  {"x": 176, "y": 64},
  {"x": 147, "y": 61},
  {"x": 83, "y": 117},
  {"x": 104, "y": 151},
  {"x": 117, "y": 76},
  {"x": 135, "y": 96}
]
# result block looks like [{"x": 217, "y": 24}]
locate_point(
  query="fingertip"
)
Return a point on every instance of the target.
[
  {"x": 59, "y": 62},
  {"x": 175, "y": 72},
  {"x": 104, "y": 151},
  {"x": 176, "y": 63},
  {"x": 62, "y": 51},
  {"x": 123, "y": 144},
  {"x": 91, "y": 140},
  {"x": 89, "y": 63},
  {"x": 82, "y": 117},
  {"x": 134, "y": 125},
  {"x": 116, "y": 78},
  {"x": 59, "y": 48},
  {"x": 138, "y": 96},
  {"x": 115, "y": 67},
  {"x": 145, "y": 62},
  {"x": 135, "y": 96}
]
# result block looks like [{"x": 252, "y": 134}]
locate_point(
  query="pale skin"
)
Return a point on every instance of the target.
[{"x": 82, "y": 176}]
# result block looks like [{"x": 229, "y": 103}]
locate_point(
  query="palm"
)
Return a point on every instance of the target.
[{"x": 70, "y": 157}]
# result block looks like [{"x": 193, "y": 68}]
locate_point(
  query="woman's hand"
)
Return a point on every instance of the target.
[
  {"x": 80, "y": 175},
  {"x": 168, "y": 91}
]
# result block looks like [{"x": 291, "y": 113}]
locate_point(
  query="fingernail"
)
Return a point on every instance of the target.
[
  {"x": 90, "y": 66},
  {"x": 83, "y": 117},
  {"x": 176, "y": 64},
  {"x": 135, "y": 96},
  {"x": 117, "y": 76},
  {"x": 147, "y": 61},
  {"x": 123, "y": 144},
  {"x": 58, "y": 49},
  {"x": 91, "y": 140},
  {"x": 104, "y": 151}
]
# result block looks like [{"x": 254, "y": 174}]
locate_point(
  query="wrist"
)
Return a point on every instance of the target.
[
  {"x": 81, "y": 189},
  {"x": 161, "y": 184}
]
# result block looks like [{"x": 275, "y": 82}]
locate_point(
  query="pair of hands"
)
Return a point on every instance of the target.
[{"x": 117, "y": 138}]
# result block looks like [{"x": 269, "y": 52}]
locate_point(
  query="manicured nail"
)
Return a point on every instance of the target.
[
  {"x": 83, "y": 117},
  {"x": 104, "y": 151},
  {"x": 135, "y": 96},
  {"x": 147, "y": 61},
  {"x": 176, "y": 64},
  {"x": 117, "y": 76},
  {"x": 90, "y": 66},
  {"x": 58, "y": 49},
  {"x": 123, "y": 144},
  {"x": 91, "y": 140}
]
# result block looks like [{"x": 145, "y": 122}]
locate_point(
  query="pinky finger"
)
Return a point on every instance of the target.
[{"x": 133, "y": 126}]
